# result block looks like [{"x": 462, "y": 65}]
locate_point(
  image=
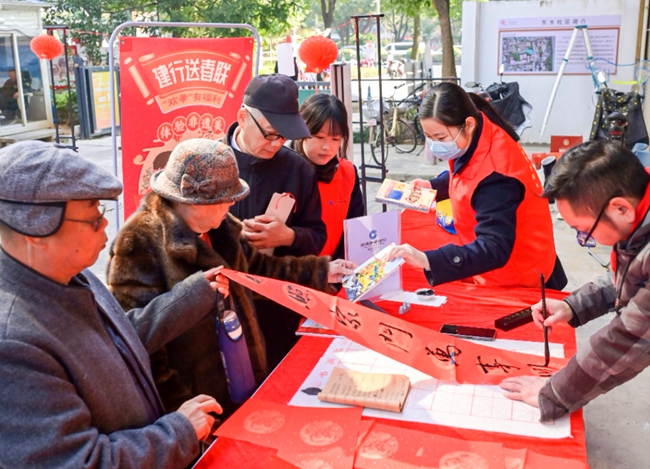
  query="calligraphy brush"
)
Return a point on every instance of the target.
[{"x": 547, "y": 353}]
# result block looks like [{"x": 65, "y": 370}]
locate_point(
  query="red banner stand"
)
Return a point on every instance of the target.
[{"x": 173, "y": 89}]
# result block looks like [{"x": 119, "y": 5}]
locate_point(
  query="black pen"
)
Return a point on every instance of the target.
[{"x": 547, "y": 353}]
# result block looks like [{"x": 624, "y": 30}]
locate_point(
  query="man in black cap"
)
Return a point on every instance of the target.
[
  {"x": 75, "y": 380},
  {"x": 270, "y": 115},
  {"x": 268, "y": 118}
]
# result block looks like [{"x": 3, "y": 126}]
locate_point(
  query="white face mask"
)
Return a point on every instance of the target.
[{"x": 447, "y": 151}]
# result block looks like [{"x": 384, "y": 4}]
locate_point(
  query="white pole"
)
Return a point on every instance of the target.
[
  {"x": 644, "y": 32},
  {"x": 585, "y": 35},
  {"x": 565, "y": 60}
]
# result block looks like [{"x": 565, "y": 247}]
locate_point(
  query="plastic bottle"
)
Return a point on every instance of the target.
[{"x": 234, "y": 354}]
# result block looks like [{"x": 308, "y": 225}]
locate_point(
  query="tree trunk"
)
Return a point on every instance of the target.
[
  {"x": 404, "y": 27},
  {"x": 416, "y": 37},
  {"x": 346, "y": 32},
  {"x": 328, "y": 15},
  {"x": 400, "y": 26},
  {"x": 448, "y": 61}
]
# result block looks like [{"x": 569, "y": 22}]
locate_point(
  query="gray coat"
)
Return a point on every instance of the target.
[
  {"x": 619, "y": 351},
  {"x": 67, "y": 398}
]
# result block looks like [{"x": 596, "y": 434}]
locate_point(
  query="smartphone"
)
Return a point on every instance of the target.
[{"x": 467, "y": 332}]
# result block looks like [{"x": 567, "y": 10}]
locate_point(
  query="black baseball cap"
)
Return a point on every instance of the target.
[{"x": 276, "y": 97}]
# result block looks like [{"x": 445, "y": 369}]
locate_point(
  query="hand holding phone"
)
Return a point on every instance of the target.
[{"x": 467, "y": 332}]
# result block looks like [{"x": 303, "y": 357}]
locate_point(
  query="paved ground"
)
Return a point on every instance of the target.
[{"x": 617, "y": 424}]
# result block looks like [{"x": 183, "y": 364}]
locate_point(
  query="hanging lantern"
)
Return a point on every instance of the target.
[
  {"x": 46, "y": 46},
  {"x": 318, "y": 53}
]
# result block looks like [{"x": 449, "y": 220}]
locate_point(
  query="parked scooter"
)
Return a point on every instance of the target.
[
  {"x": 394, "y": 67},
  {"x": 619, "y": 114},
  {"x": 505, "y": 98}
]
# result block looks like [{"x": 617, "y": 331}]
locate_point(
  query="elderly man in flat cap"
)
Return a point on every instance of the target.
[
  {"x": 75, "y": 381},
  {"x": 184, "y": 226}
]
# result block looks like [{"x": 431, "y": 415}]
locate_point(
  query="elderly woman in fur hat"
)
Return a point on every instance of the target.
[{"x": 183, "y": 227}]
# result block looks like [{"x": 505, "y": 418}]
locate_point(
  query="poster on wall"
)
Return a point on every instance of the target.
[
  {"x": 100, "y": 91},
  {"x": 538, "y": 45},
  {"x": 172, "y": 90}
]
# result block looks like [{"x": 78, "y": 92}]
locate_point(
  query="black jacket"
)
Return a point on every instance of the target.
[{"x": 285, "y": 172}]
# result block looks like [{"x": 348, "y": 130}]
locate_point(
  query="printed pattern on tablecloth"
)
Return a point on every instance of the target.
[
  {"x": 321, "y": 438},
  {"x": 478, "y": 407},
  {"x": 257, "y": 421},
  {"x": 388, "y": 447}
]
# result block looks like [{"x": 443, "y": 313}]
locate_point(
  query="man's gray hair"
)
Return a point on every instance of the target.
[{"x": 256, "y": 113}]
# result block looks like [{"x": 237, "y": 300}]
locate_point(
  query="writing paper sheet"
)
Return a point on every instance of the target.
[{"x": 472, "y": 406}]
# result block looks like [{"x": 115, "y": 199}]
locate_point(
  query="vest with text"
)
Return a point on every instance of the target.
[
  {"x": 335, "y": 200},
  {"x": 534, "y": 249}
]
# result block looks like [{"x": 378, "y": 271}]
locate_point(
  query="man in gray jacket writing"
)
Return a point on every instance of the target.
[
  {"x": 603, "y": 191},
  {"x": 75, "y": 380}
]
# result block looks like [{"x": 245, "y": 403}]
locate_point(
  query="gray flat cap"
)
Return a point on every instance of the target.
[
  {"x": 38, "y": 178},
  {"x": 200, "y": 172}
]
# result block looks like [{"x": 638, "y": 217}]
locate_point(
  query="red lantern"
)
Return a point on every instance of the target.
[
  {"x": 318, "y": 53},
  {"x": 46, "y": 46}
]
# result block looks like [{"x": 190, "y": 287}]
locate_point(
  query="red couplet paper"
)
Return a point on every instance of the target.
[
  {"x": 321, "y": 438},
  {"x": 514, "y": 458},
  {"x": 364, "y": 430},
  {"x": 257, "y": 421},
  {"x": 275, "y": 462},
  {"x": 541, "y": 461},
  {"x": 438, "y": 355},
  {"x": 527, "y": 459},
  {"x": 395, "y": 447},
  {"x": 174, "y": 89}
]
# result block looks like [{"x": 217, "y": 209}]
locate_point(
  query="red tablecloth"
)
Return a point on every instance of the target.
[{"x": 467, "y": 304}]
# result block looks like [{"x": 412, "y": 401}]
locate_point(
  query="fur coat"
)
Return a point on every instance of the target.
[{"x": 154, "y": 251}]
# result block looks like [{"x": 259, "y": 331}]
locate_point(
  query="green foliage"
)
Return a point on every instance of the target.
[
  {"x": 356, "y": 135},
  {"x": 363, "y": 38},
  {"x": 89, "y": 20},
  {"x": 270, "y": 17},
  {"x": 63, "y": 108},
  {"x": 267, "y": 67},
  {"x": 92, "y": 21},
  {"x": 411, "y": 7},
  {"x": 344, "y": 25}
]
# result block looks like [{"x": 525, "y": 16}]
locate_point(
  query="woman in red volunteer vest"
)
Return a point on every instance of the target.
[
  {"x": 502, "y": 221},
  {"x": 338, "y": 182}
]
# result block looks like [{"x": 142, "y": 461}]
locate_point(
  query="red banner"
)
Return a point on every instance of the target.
[
  {"x": 433, "y": 353},
  {"x": 173, "y": 90}
]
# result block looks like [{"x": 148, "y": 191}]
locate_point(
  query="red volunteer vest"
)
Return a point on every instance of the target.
[
  {"x": 335, "y": 201},
  {"x": 640, "y": 213},
  {"x": 534, "y": 249}
]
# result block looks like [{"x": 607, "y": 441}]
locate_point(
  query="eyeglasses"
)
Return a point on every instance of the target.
[
  {"x": 584, "y": 238},
  {"x": 94, "y": 223},
  {"x": 270, "y": 137}
]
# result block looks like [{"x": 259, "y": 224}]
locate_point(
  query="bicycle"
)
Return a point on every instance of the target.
[{"x": 401, "y": 133}]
